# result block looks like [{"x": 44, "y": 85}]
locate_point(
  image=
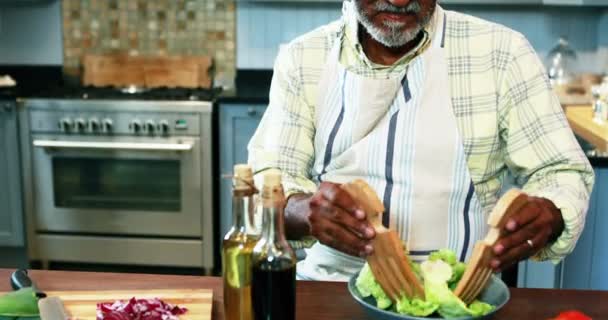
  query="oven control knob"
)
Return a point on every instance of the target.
[
  {"x": 163, "y": 126},
  {"x": 135, "y": 126},
  {"x": 65, "y": 124},
  {"x": 107, "y": 125},
  {"x": 150, "y": 126},
  {"x": 94, "y": 124},
  {"x": 80, "y": 124}
]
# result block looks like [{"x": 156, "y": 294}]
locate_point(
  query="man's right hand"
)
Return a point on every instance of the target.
[{"x": 331, "y": 216}]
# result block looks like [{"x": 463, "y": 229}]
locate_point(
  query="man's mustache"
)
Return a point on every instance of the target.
[{"x": 412, "y": 8}]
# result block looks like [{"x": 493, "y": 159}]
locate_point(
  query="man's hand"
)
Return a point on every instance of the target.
[
  {"x": 528, "y": 231},
  {"x": 332, "y": 217}
]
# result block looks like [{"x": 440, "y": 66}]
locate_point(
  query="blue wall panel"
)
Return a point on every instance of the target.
[
  {"x": 31, "y": 33},
  {"x": 263, "y": 26}
]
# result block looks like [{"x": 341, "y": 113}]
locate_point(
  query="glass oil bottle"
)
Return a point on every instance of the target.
[{"x": 237, "y": 247}]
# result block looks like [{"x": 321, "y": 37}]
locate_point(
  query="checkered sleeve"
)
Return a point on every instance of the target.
[
  {"x": 284, "y": 138},
  {"x": 541, "y": 150}
]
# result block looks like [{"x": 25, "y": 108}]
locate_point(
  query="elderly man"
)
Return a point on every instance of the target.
[{"x": 434, "y": 109}]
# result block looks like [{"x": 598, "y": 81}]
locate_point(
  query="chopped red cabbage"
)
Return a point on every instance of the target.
[{"x": 138, "y": 309}]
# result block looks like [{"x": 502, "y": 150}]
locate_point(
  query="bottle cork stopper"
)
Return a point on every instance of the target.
[
  {"x": 272, "y": 178},
  {"x": 242, "y": 176}
]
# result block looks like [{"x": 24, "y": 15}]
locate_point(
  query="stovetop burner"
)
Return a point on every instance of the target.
[{"x": 133, "y": 93}]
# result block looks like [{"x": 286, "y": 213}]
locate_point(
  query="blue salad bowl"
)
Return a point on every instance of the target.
[{"x": 496, "y": 294}]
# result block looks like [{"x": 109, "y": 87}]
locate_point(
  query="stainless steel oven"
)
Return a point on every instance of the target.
[{"x": 122, "y": 182}]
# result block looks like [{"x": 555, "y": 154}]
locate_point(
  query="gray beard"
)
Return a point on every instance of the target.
[{"x": 394, "y": 35}]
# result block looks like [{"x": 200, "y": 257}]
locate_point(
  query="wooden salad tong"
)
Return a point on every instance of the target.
[
  {"x": 389, "y": 262},
  {"x": 478, "y": 270}
]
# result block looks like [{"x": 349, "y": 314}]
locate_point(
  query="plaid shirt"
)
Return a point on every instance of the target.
[{"x": 511, "y": 123}]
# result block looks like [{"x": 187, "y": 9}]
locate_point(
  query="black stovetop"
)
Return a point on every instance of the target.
[{"x": 181, "y": 94}]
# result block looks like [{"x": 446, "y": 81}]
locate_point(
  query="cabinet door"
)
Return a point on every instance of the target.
[
  {"x": 586, "y": 267},
  {"x": 578, "y": 265},
  {"x": 599, "y": 251},
  {"x": 11, "y": 214},
  {"x": 533, "y": 274},
  {"x": 237, "y": 125}
]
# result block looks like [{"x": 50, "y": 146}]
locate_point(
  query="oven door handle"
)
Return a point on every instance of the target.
[{"x": 187, "y": 146}]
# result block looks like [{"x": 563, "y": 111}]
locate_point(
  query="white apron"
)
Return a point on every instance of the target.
[{"x": 400, "y": 135}]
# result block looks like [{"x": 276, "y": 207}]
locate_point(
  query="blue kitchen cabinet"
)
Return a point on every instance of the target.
[
  {"x": 11, "y": 213},
  {"x": 585, "y": 267},
  {"x": 237, "y": 124}
]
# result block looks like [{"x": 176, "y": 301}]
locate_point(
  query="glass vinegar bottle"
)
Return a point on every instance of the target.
[{"x": 274, "y": 261}]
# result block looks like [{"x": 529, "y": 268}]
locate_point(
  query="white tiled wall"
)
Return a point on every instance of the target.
[
  {"x": 261, "y": 27},
  {"x": 30, "y": 33}
]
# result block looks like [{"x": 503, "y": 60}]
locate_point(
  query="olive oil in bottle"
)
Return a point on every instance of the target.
[
  {"x": 274, "y": 262},
  {"x": 238, "y": 247}
]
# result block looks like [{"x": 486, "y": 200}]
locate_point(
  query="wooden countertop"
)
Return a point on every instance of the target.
[
  {"x": 581, "y": 121},
  {"x": 316, "y": 300}
]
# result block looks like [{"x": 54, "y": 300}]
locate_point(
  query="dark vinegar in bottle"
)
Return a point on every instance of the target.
[{"x": 273, "y": 285}]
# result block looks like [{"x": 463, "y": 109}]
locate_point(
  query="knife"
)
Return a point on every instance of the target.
[{"x": 51, "y": 308}]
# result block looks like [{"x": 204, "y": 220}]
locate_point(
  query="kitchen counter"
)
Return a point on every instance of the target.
[
  {"x": 316, "y": 300},
  {"x": 581, "y": 121},
  {"x": 593, "y": 136}
]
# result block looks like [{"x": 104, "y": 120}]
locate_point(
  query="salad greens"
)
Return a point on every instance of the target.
[{"x": 440, "y": 275}]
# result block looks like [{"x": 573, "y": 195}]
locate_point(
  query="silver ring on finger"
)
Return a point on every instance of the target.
[{"x": 530, "y": 243}]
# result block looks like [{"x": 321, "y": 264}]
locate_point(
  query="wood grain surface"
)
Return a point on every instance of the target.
[
  {"x": 316, "y": 300},
  {"x": 581, "y": 122},
  {"x": 82, "y": 305}
]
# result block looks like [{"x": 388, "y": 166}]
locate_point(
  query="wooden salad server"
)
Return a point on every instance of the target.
[
  {"x": 478, "y": 270},
  {"x": 389, "y": 262}
]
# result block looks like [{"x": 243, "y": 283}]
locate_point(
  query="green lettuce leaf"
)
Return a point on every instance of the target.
[
  {"x": 479, "y": 308},
  {"x": 457, "y": 272},
  {"x": 450, "y": 306},
  {"x": 436, "y": 274},
  {"x": 20, "y": 303},
  {"x": 416, "y": 269},
  {"x": 446, "y": 255},
  {"x": 440, "y": 275},
  {"x": 416, "y": 307},
  {"x": 367, "y": 286}
]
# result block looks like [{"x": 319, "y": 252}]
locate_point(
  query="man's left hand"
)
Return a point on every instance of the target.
[{"x": 537, "y": 223}]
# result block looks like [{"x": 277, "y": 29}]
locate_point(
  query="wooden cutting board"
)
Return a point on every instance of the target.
[
  {"x": 82, "y": 305},
  {"x": 121, "y": 70}
]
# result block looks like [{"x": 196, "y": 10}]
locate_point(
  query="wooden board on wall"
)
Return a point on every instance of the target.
[{"x": 120, "y": 70}]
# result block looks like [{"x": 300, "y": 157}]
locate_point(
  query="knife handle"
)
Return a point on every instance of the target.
[{"x": 20, "y": 279}]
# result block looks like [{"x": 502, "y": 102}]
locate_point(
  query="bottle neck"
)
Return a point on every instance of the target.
[
  {"x": 273, "y": 229},
  {"x": 243, "y": 209}
]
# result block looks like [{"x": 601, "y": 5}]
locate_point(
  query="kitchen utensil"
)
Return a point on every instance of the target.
[
  {"x": 478, "y": 271},
  {"x": 496, "y": 294},
  {"x": 51, "y": 308},
  {"x": 389, "y": 263}
]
